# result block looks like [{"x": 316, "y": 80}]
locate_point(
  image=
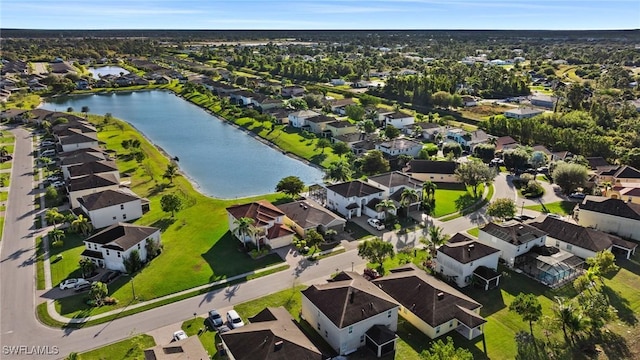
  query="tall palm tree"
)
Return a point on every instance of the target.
[
  {"x": 408, "y": 197},
  {"x": 429, "y": 189},
  {"x": 81, "y": 224},
  {"x": 56, "y": 236},
  {"x": 564, "y": 314},
  {"x": 170, "y": 172},
  {"x": 53, "y": 216},
  {"x": 244, "y": 228},
  {"x": 436, "y": 238},
  {"x": 387, "y": 206},
  {"x": 339, "y": 171}
]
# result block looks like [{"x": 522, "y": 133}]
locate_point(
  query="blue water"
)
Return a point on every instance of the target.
[
  {"x": 106, "y": 70},
  {"x": 223, "y": 161}
]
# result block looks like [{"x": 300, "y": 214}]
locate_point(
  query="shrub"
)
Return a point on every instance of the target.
[{"x": 533, "y": 189}]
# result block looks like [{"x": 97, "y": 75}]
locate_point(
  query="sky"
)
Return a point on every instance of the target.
[{"x": 321, "y": 15}]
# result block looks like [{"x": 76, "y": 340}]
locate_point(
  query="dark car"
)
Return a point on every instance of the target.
[
  {"x": 214, "y": 320},
  {"x": 82, "y": 287},
  {"x": 223, "y": 329},
  {"x": 109, "y": 276}
]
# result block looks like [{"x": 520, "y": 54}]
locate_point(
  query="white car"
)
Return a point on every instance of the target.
[
  {"x": 72, "y": 283},
  {"x": 47, "y": 143},
  {"x": 235, "y": 321},
  {"x": 375, "y": 223},
  {"x": 179, "y": 335},
  {"x": 53, "y": 178},
  {"x": 58, "y": 184}
]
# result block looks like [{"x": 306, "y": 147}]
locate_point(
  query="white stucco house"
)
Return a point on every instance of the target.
[
  {"x": 111, "y": 246},
  {"x": 90, "y": 184},
  {"x": 348, "y": 311},
  {"x": 351, "y": 198},
  {"x": 298, "y": 119},
  {"x": 432, "y": 306},
  {"x": 582, "y": 241},
  {"x": 467, "y": 139},
  {"x": 78, "y": 140},
  {"x": 610, "y": 215},
  {"x": 268, "y": 222},
  {"x": 109, "y": 207},
  {"x": 401, "y": 146},
  {"x": 394, "y": 183},
  {"x": 79, "y": 157},
  {"x": 398, "y": 119},
  {"x": 512, "y": 238},
  {"x": 461, "y": 256}
]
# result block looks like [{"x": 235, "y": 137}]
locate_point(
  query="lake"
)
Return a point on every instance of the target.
[
  {"x": 106, "y": 70},
  {"x": 222, "y": 160}
]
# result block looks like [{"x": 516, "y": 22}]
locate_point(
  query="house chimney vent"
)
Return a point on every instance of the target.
[
  {"x": 440, "y": 295},
  {"x": 278, "y": 345}
]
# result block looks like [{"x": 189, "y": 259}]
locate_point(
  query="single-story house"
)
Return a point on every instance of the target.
[
  {"x": 469, "y": 101},
  {"x": 582, "y": 241},
  {"x": 292, "y": 91},
  {"x": 346, "y": 309},
  {"x": 89, "y": 184},
  {"x": 627, "y": 194},
  {"x": 350, "y": 138},
  {"x": 624, "y": 175},
  {"x": 111, "y": 246},
  {"x": 461, "y": 256},
  {"x": 434, "y": 171},
  {"x": 268, "y": 222},
  {"x": 427, "y": 130},
  {"x": 401, "y": 146},
  {"x": 611, "y": 215},
  {"x": 267, "y": 103},
  {"x": 512, "y": 238},
  {"x": 189, "y": 348},
  {"x": 432, "y": 306},
  {"x": 398, "y": 119},
  {"x": 304, "y": 215},
  {"x": 505, "y": 143},
  {"x": 544, "y": 101},
  {"x": 271, "y": 334},
  {"x": 522, "y": 113},
  {"x": 350, "y": 198},
  {"x": 110, "y": 206},
  {"x": 340, "y": 106}
]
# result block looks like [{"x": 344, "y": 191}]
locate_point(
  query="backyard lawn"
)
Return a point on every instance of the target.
[
  {"x": 132, "y": 348},
  {"x": 560, "y": 207},
  {"x": 451, "y": 198}
]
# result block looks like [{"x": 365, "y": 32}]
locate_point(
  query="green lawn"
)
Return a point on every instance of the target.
[
  {"x": 40, "y": 285},
  {"x": 7, "y": 139},
  {"x": 132, "y": 348},
  {"x": 67, "y": 267},
  {"x": 208, "y": 338},
  {"x": 560, "y": 207},
  {"x": 475, "y": 231},
  {"x": 451, "y": 198},
  {"x": 9, "y": 148},
  {"x": 198, "y": 249},
  {"x": 4, "y": 195},
  {"x": 6, "y": 165}
]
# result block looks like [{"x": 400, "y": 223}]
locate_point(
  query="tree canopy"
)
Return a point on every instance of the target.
[{"x": 290, "y": 185}]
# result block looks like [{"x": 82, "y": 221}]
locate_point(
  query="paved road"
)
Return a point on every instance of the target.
[{"x": 19, "y": 326}]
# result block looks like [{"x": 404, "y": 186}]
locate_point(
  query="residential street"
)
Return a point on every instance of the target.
[{"x": 19, "y": 326}]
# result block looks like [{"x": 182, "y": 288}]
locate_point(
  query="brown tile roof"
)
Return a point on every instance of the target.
[
  {"x": 260, "y": 211},
  {"x": 92, "y": 181},
  {"x": 515, "y": 233},
  {"x": 464, "y": 249},
  {"x": 354, "y": 188},
  {"x": 613, "y": 207},
  {"x": 433, "y": 167},
  {"x": 504, "y": 141},
  {"x": 430, "y": 299},
  {"x": 307, "y": 215},
  {"x": 271, "y": 335},
  {"x": 105, "y": 199},
  {"x": 122, "y": 236},
  {"x": 579, "y": 236},
  {"x": 349, "y": 299},
  {"x": 93, "y": 167}
]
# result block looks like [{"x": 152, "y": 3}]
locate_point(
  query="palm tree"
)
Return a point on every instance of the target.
[
  {"x": 81, "y": 224},
  {"x": 53, "y": 216},
  {"x": 4, "y": 151},
  {"x": 387, "y": 206},
  {"x": 566, "y": 316},
  {"x": 429, "y": 188},
  {"x": 170, "y": 172},
  {"x": 87, "y": 266},
  {"x": 339, "y": 171},
  {"x": 408, "y": 197},
  {"x": 436, "y": 239},
  {"x": 244, "y": 228},
  {"x": 56, "y": 236}
]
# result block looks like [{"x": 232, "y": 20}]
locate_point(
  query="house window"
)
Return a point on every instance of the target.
[
  {"x": 350, "y": 329},
  {"x": 569, "y": 247},
  {"x": 389, "y": 313},
  {"x": 557, "y": 243},
  {"x": 121, "y": 206},
  {"x": 326, "y": 334},
  {"x": 119, "y": 254},
  {"x": 361, "y": 338},
  {"x": 318, "y": 326},
  {"x": 107, "y": 252},
  {"x": 438, "y": 330},
  {"x": 451, "y": 323},
  {"x": 471, "y": 264},
  {"x": 124, "y": 216},
  {"x": 138, "y": 246}
]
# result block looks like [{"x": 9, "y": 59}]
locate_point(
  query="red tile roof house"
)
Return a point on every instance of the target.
[
  {"x": 111, "y": 246},
  {"x": 431, "y": 305},
  {"x": 268, "y": 220},
  {"x": 270, "y": 335},
  {"x": 350, "y": 312}
]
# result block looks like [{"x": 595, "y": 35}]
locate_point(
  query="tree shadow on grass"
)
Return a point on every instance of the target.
[
  {"x": 164, "y": 224},
  {"x": 491, "y": 300},
  {"x": 615, "y": 346},
  {"x": 464, "y": 201},
  {"x": 625, "y": 312},
  {"x": 158, "y": 188},
  {"x": 318, "y": 158}
]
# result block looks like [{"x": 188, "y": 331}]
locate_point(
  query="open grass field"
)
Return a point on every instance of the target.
[
  {"x": 560, "y": 207},
  {"x": 453, "y": 197},
  {"x": 23, "y": 101},
  {"x": 132, "y": 348}
]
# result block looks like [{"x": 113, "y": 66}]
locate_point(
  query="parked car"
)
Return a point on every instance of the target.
[
  {"x": 47, "y": 143},
  {"x": 375, "y": 223},
  {"x": 555, "y": 216},
  {"x": 82, "y": 287},
  {"x": 223, "y": 329},
  {"x": 71, "y": 283},
  {"x": 58, "y": 184},
  {"x": 214, "y": 320},
  {"x": 179, "y": 335},
  {"x": 53, "y": 178},
  {"x": 48, "y": 153},
  {"x": 234, "y": 320},
  {"x": 109, "y": 276},
  {"x": 577, "y": 195}
]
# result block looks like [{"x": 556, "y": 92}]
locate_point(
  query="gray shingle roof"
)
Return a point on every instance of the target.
[
  {"x": 515, "y": 233},
  {"x": 121, "y": 236},
  {"x": 354, "y": 188},
  {"x": 105, "y": 199},
  {"x": 464, "y": 249}
]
